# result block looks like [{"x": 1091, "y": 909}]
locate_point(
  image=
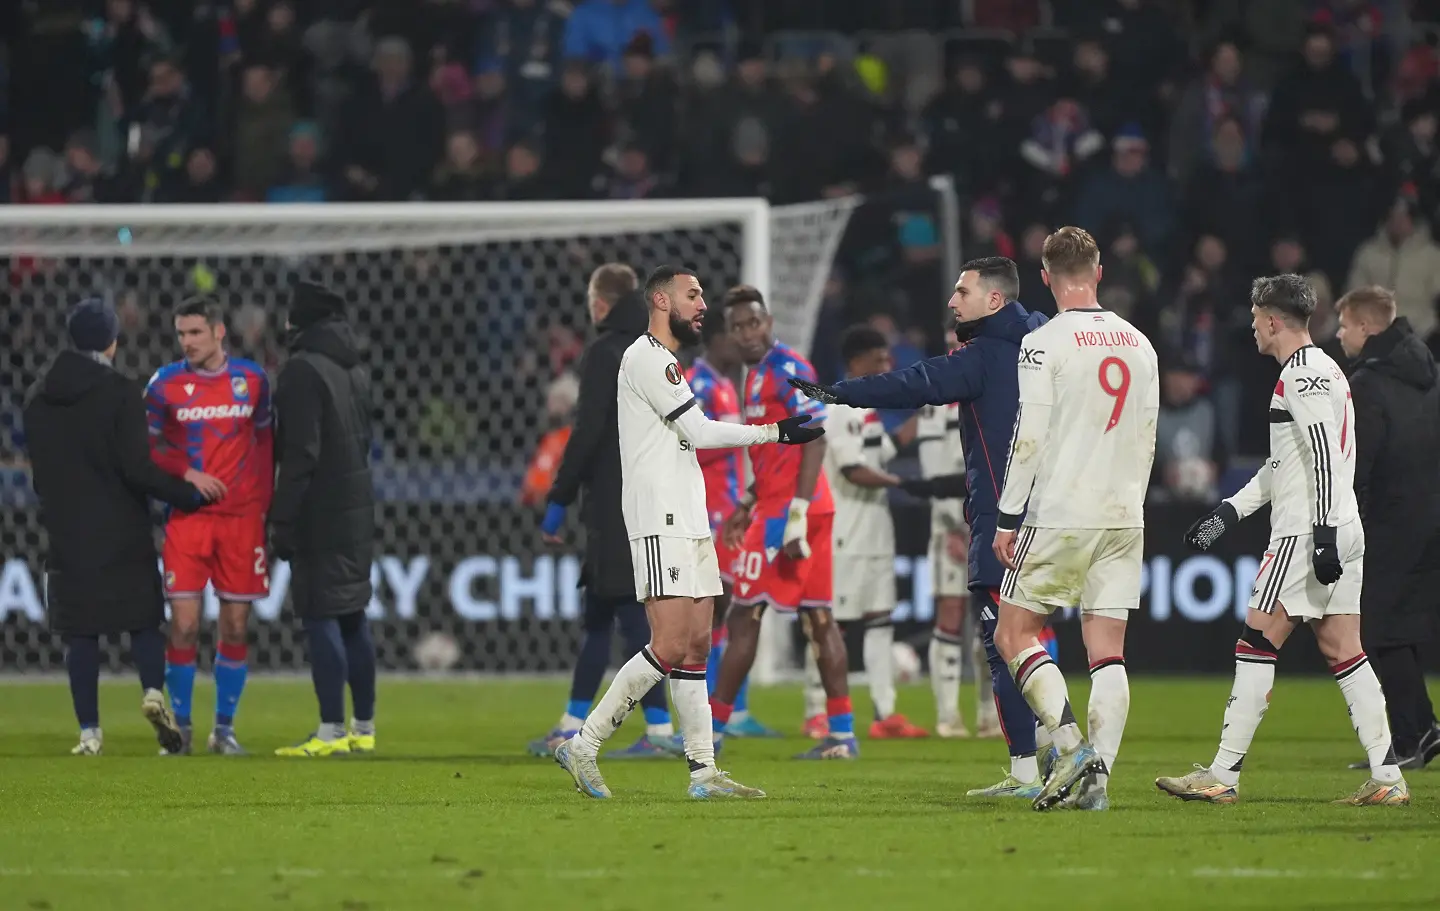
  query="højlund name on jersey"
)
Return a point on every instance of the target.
[
  {"x": 213, "y": 412},
  {"x": 1108, "y": 339}
]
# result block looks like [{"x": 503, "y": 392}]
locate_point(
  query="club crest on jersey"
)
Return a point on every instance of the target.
[
  {"x": 672, "y": 373},
  {"x": 239, "y": 387}
]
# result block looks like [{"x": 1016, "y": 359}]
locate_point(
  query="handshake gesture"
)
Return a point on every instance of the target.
[{"x": 819, "y": 393}]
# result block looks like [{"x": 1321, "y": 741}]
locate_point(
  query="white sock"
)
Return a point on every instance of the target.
[
  {"x": 1366, "y": 702},
  {"x": 666, "y": 730},
  {"x": 1043, "y": 686},
  {"x": 635, "y": 679},
  {"x": 1249, "y": 699},
  {"x": 946, "y": 663},
  {"x": 1108, "y": 709},
  {"x": 984, "y": 683},
  {"x": 879, "y": 655},
  {"x": 331, "y": 732},
  {"x": 569, "y": 722},
  {"x": 692, "y": 708},
  {"x": 1024, "y": 768},
  {"x": 363, "y": 728},
  {"x": 1043, "y": 740},
  {"x": 814, "y": 687}
]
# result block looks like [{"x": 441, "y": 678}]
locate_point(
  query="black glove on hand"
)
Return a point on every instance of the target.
[
  {"x": 1208, "y": 529},
  {"x": 1326, "y": 557},
  {"x": 944, "y": 487},
  {"x": 826, "y": 394},
  {"x": 282, "y": 543},
  {"x": 794, "y": 432}
]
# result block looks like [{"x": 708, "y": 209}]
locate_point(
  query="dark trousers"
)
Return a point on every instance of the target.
[
  {"x": 1402, "y": 677},
  {"x": 602, "y": 616}
]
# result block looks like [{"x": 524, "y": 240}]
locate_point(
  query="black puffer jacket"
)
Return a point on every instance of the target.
[
  {"x": 322, "y": 518},
  {"x": 90, "y": 464},
  {"x": 1395, "y": 388},
  {"x": 591, "y": 466}
]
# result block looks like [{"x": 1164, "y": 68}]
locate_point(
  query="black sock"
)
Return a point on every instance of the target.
[
  {"x": 360, "y": 661},
  {"x": 82, "y": 661},
  {"x": 327, "y": 668},
  {"x": 147, "y": 650}
]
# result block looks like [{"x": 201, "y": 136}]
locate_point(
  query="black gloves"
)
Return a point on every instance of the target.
[
  {"x": 1208, "y": 529},
  {"x": 1326, "y": 556},
  {"x": 282, "y": 543},
  {"x": 793, "y": 430},
  {"x": 944, "y": 487},
  {"x": 826, "y": 394}
]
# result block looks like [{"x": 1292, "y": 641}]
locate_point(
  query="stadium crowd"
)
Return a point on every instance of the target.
[{"x": 1202, "y": 142}]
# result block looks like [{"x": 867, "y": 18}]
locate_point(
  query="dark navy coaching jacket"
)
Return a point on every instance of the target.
[{"x": 982, "y": 375}]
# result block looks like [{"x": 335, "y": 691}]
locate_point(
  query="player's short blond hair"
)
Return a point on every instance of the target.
[
  {"x": 1374, "y": 304},
  {"x": 613, "y": 281},
  {"x": 1070, "y": 251}
]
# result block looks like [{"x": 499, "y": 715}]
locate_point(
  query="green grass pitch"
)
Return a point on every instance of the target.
[{"x": 452, "y": 814}]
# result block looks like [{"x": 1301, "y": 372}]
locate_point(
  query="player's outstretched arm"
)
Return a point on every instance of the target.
[
  {"x": 955, "y": 377},
  {"x": 132, "y": 445}
]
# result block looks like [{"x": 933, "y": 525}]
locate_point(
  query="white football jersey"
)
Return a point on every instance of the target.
[
  {"x": 1085, "y": 431},
  {"x": 1309, "y": 478},
  {"x": 942, "y": 452},
  {"x": 663, "y": 491},
  {"x": 863, "y": 526}
]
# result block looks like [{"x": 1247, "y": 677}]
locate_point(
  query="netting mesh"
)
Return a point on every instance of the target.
[{"x": 473, "y": 337}]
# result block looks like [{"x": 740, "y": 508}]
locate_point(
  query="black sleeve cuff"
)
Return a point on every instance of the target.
[
  {"x": 674, "y": 415},
  {"x": 1007, "y": 522},
  {"x": 1324, "y": 535}
]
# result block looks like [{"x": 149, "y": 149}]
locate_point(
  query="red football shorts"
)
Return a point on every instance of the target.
[
  {"x": 726, "y": 556},
  {"x": 763, "y": 574},
  {"x": 226, "y": 551}
]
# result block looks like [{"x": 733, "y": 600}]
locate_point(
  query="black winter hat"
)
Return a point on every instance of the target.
[
  {"x": 311, "y": 302},
  {"x": 92, "y": 325}
]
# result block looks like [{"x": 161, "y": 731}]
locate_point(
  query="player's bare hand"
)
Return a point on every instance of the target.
[
  {"x": 732, "y": 530},
  {"x": 1005, "y": 549},
  {"x": 957, "y": 545},
  {"x": 210, "y": 487}
]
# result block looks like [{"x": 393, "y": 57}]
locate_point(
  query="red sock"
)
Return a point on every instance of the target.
[
  {"x": 717, "y": 637},
  {"x": 720, "y": 712},
  {"x": 232, "y": 653},
  {"x": 175, "y": 655}
]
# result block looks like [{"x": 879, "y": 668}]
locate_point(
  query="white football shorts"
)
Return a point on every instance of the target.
[
  {"x": 1287, "y": 575},
  {"x": 1095, "y": 569},
  {"x": 675, "y": 567},
  {"x": 863, "y": 585}
]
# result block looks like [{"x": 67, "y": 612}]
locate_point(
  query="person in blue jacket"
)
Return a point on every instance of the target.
[{"x": 982, "y": 376}]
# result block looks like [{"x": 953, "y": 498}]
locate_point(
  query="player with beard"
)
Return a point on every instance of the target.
[
  {"x": 982, "y": 376},
  {"x": 677, "y": 574}
]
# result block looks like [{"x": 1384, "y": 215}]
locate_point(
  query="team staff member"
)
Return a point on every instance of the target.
[
  {"x": 90, "y": 464},
  {"x": 322, "y": 516},
  {"x": 1393, "y": 382}
]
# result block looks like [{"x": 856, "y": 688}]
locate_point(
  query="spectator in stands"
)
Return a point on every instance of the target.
[
  {"x": 525, "y": 35},
  {"x": 1060, "y": 142},
  {"x": 392, "y": 133},
  {"x": 964, "y": 109},
  {"x": 1033, "y": 293},
  {"x": 1188, "y": 447},
  {"x": 1109, "y": 103},
  {"x": 198, "y": 183},
  {"x": 646, "y": 99},
  {"x": 1402, "y": 255},
  {"x": 1130, "y": 188},
  {"x": 120, "y": 43},
  {"x": 987, "y": 235},
  {"x": 464, "y": 175},
  {"x": 1025, "y": 93},
  {"x": 631, "y": 177},
  {"x": 170, "y": 118},
  {"x": 1131, "y": 278},
  {"x": 301, "y": 180},
  {"x": 825, "y": 141},
  {"x": 40, "y": 178},
  {"x": 86, "y": 179},
  {"x": 1412, "y": 155},
  {"x": 576, "y": 130},
  {"x": 1224, "y": 195},
  {"x": 1315, "y": 104},
  {"x": 261, "y": 134},
  {"x": 524, "y": 174},
  {"x": 598, "y": 31},
  {"x": 1218, "y": 95},
  {"x": 1144, "y": 45},
  {"x": 278, "y": 42},
  {"x": 490, "y": 115},
  {"x": 4, "y": 168},
  {"x": 1272, "y": 32},
  {"x": 749, "y": 111}
]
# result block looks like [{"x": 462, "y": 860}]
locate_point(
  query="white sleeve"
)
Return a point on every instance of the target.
[
  {"x": 1255, "y": 494},
  {"x": 1307, "y": 398},
  {"x": 1032, "y": 426},
  {"x": 704, "y": 433},
  {"x": 845, "y": 437}
]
